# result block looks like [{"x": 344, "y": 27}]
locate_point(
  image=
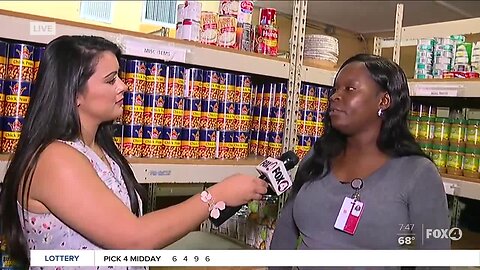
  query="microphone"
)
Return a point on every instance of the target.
[{"x": 275, "y": 173}]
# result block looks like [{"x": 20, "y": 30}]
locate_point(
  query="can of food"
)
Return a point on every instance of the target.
[
  {"x": 260, "y": 94},
  {"x": 441, "y": 130},
  {"x": 122, "y": 70},
  {"x": 306, "y": 115},
  {"x": 306, "y": 127},
  {"x": 135, "y": 77},
  {"x": 190, "y": 143},
  {"x": 240, "y": 144},
  {"x": 303, "y": 145},
  {"x": 226, "y": 116},
  {"x": 458, "y": 131},
  {"x": 209, "y": 28},
  {"x": 208, "y": 144},
  {"x": 319, "y": 126},
  {"x": 268, "y": 16},
  {"x": 37, "y": 56},
  {"x": 275, "y": 144},
  {"x": 154, "y": 111},
  {"x": 171, "y": 142},
  {"x": 254, "y": 142},
  {"x": 324, "y": 96},
  {"x": 117, "y": 131},
  {"x": 209, "y": 115},
  {"x": 192, "y": 113},
  {"x": 132, "y": 140},
  {"x": 427, "y": 110},
  {"x": 17, "y": 98},
  {"x": 20, "y": 62},
  {"x": 245, "y": 11},
  {"x": 423, "y": 66},
  {"x": 456, "y": 154},
  {"x": 263, "y": 149},
  {"x": 428, "y": 54},
  {"x": 473, "y": 131},
  {"x": 256, "y": 117},
  {"x": 277, "y": 119},
  {"x": 266, "y": 40},
  {"x": 193, "y": 83},
  {"x": 211, "y": 86},
  {"x": 245, "y": 37},
  {"x": 423, "y": 76},
  {"x": 243, "y": 89},
  {"x": 243, "y": 119},
  {"x": 265, "y": 120},
  {"x": 443, "y": 61},
  {"x": 173, "y": 112},
  {"x": 175, "y": 81},
  {"x": 152, "y": 144},
  {"x": 2, "y": 98},
  {"x": 426, "y": 126},
  {"x": 133, "y": 108},
  {"x": 227, "y": 87},
  {"x": 12, "y": 128},
  {"x": 3, "y": 59},
  {"x": 280, "y": 95},
  {"x": 225, "y": 145},
  {"x": 308, "y": 97},
  {"x": 268, "y": 94},
  {"x": 229, "y": 8},
  {"x": 227, "y": 28},
  {"x": 155, "y": 78}
]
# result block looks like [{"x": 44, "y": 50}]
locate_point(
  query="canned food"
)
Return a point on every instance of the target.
[
  {"x": 268, "y": 16},
  {"x": 156, "y": 74},
  {"x": 268, "y": 94},
  {"x": 281, "y": 95},
  {"x": 133, "y": 108},
  {"x": 20, "y": 62},
  {"x": 211, "y": 85},
  {"x": 226, "y": 116},
  {"x": 243, "y": 120},
  {"x": 225, "y": 145},
  {"x": 308, "y": 97},
  {"x": 132, "y": 140},
  {"x": 277, "y": 119},
  {"x": 423, "y": 76},
  {"x": 3, "y": 59},
  {"x": 306, "y": 128},
  {"x": 245, "y": 37},
  {"x": 208, "y": 144},
  {"x": 423, "y": 66},
  {"x": 193, "y": 83},
  {"x": 259, "y": 95},
  {"x": 245, "y": 11},
  {"x": 37, "y": 56},
  {"x": 304, "y": 144},
  {"x": 173, "y": 112},
  {"x": 175, "y": 81},
  {"x": 171, "y": 142},
  {"x": 444, "y": 54},
  {"x": 265, "y": 123},
  {"x": 2, "y": 98},
  {"x": 117, "y": 131},
  {"x": 319, "y": 127},
  {"x": 254, "y": 142},
  {"x": 266, "y": 40},
  {"x": 135, "y": 75},
  {"x": 427, "y": 54},
  {"x": 122, "y": 69},
  {"x": 257, "y": 112},
  {"x": 190, "y": 143},
  {"x": 306, "y": 115},
  {"x": 263, "y": 149},
  {"x": 209, "y": 115},
  {"x": 275, "y": 144},
  {"x": 152, "y": 141},
  {"x": 192, "y": 113},
  {"x": 441, "y": 62},
  {"x": 240, "y": 144},
  {"x": 227, "y": 28},
  {"x": 12, "y": 129},
  {"x": 17, "y": 98},
  {"x": 227, "y": 87},
  {"x": 243, "y": 88},
  {"x": 153, "y": 113},
  {"x": 209, "y": 28}
]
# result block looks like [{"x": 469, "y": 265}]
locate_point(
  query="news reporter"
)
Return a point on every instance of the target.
[
  {"x": 68, "y": 186},
  {"x": 366, "y": 137}
]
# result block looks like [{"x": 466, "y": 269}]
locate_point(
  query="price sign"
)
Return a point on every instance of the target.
[
  {"x": 437, "y": 90},
  {"x": 153, "y": 50}
]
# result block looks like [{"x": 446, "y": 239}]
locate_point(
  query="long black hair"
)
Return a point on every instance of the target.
[
  {"x": 66, "y": 66},
  {"x": 395, "y": 138}
]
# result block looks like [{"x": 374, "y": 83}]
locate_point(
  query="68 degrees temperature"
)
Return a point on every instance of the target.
[
  {"x": 406, "y": 237},
  {"x": 406, "y": 240}
]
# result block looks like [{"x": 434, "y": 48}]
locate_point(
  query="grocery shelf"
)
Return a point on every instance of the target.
[
  {"x": 149, "y": 46},
  {"x": 151, "y": 170},
  {"x": 445, "y": 87},
  {"x": 462, "y": 186},
  {"x": 323, "y": 76}
]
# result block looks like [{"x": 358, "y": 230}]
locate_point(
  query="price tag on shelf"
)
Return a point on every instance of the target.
[
  {"x": 437, "y": 90},
  {"x": 449, "y": 188},
  {"x": 153, "y": 50}
]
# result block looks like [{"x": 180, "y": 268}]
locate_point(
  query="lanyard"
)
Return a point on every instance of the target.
[{"x": 356, "y": 184}]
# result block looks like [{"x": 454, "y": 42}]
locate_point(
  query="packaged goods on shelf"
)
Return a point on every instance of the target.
[
  {"x": 3, "y": 60},
  {"x": 227, "y": 27},
  {"x": 475, "y": 61},
  {"x": 321, "y": 47},
  {"x": 180, "y": 17},
  {"x": 268, "y": 16},
  {"x": 209, "y": 28},
  {"x": 266, "y": 40},
  {"x": 229, "y": 8},
  {"x": 424, "y": 59},
  {"x": 190, "y": 16}
]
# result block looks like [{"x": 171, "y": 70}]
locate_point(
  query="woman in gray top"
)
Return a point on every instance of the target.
[{"x": 367, "y": 138}]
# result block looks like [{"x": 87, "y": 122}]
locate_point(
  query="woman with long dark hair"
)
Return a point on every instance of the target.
[
  {"x": 366, "y": 182},
  {"x": 68, "y": 186}
]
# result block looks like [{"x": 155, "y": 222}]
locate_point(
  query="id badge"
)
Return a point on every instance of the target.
[{"x": 349, "y": 215}]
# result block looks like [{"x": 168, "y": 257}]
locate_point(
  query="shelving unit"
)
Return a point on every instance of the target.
[{"x": 447, "y": 88}]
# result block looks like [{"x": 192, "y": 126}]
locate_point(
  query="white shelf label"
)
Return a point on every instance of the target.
[
  {"x": 449, "y": 188},
  {"x": 435, "y": 90},
  {"x": 150, "y": 49}
]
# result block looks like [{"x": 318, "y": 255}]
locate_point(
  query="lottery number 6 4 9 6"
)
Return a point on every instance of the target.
[{"x": 195, "y": 258}]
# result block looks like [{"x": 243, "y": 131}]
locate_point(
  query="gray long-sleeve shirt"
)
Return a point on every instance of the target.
[{"x": 405, "y": 193}]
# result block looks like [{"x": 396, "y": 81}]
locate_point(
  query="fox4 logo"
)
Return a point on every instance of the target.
[{"x": 453, "y": 234}]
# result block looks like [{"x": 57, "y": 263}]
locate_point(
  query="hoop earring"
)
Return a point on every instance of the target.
[{"x": 380, "y": 113}]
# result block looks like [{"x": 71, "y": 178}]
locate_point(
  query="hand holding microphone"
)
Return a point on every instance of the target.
[{"x": 272, "y": 171}]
